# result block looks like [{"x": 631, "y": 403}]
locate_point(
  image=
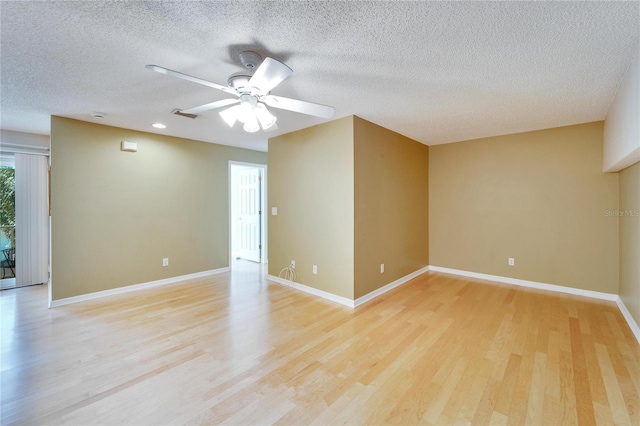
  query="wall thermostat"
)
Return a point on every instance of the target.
[{"x": 128, "y": 146}]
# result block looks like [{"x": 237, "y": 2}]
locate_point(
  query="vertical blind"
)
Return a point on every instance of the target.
[{"x": 32, "y": 220}]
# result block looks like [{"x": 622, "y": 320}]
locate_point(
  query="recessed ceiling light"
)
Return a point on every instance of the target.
[{"x": 159, "y": 126}]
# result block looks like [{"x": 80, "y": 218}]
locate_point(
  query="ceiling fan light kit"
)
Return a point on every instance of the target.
[
  {"x": 253, "y": 92},
  {"x": 265, "y": 118},
  {"x": 250, "y": 112},
  {"x": 253, "y": 114}
]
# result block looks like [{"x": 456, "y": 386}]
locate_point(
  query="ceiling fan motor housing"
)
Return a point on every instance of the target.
[
  {"x": 239, "y": 79},
  {"x": 250, "y": 59}
]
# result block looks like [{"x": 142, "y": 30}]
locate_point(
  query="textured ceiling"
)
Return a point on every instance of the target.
[{"x": 437, "y": 72}]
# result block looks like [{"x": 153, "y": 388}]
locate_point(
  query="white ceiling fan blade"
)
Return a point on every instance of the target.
[
  {"x": 269, "y": 74},
  {"x": 209, "y": 106},
  {"x": 163, "y": 70},
  {"x": 299, "y": 106}
]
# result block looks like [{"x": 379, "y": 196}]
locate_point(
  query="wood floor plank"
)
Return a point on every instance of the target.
[
  {"x": 481, "y": 376},
  {"x": 613, "y": 391},
  {"x": 437, "y": 407},
  {"x": 568, "y": 406},
  {"x": 596, "y": 383},
  {"x": 508, "y": 384},
  {"x": 584, "y": 401},
  {"x": 536, "y": 390},
  {"x": 551, "y": 411},
  {"x": 498, "y": 419},
  {"x": 235, "y": 348},
  {"x": 484, "y": 411}
]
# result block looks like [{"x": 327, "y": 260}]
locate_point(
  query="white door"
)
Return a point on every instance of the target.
[{"x": 249, "y": 214}]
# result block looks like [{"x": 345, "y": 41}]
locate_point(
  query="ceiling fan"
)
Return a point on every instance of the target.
[{"x": 252, "y": 94}]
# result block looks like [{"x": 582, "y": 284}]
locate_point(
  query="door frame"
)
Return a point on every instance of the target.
[{"x": 263, "y": 207}]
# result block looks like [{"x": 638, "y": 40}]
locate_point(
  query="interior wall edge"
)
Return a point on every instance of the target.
[
  {"x": 311, "y": 189},
  {"x": 621, "y": 136},
  {"x": 346, "y": 301},
  {"x": 635, "y": 328},
  {"x": 313, "y": 291},
  {"x": 391, "y": 230},
  {"x": 627, "y": 161},
  {"x": 629, "y": 239},
  {"x": 388, "y": 287}
]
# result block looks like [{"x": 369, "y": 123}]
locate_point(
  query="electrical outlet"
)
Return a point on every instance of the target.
[
  {"x": 165, "y": 261},
  {"x": 315, "y": 270},
  {"x": 293, "y": 264},
  {"x": 382, "y": 268},
  {"x": 512, "y": 261}
]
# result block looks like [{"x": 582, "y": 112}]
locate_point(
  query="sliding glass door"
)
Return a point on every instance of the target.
[
  {"x": 24, "y": 219},
  {"x": 7, "y": 220}
]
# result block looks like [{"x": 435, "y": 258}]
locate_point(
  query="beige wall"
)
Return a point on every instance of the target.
[
  {"x": 539, "y": 197},
  {"x": 311, "y": 184},
  {"x": 116, "y": 214},
  {"x": 391, "y": 206},
  {"x": 630, "y": 239}
]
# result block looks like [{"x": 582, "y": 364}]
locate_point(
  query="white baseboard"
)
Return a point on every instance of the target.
[
  {"x": 375, "y": 293},
  {"x": 633, "y": 325},
  {"x": 311, "y": 290},
  {"x": 530, "y": 284},
  {"x": 134, "y": 287},
  {"x": 550, "y": 287},
  {"x": 343, "y": 300}
]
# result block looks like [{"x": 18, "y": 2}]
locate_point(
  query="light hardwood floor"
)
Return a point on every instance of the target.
[{"x": 237, "y": 349}]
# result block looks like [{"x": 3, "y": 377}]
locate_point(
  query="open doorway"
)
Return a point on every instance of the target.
[{"x": 247, "y": 224}]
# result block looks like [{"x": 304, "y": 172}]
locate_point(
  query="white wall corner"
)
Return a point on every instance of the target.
[
  {"x": 621, "y": 126},
  {"x": 627, "y": 161},
  {"x": 343, "y": 300},
  {"x": 312, "y": 290},
  {"x": 372, "y": 295}
]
